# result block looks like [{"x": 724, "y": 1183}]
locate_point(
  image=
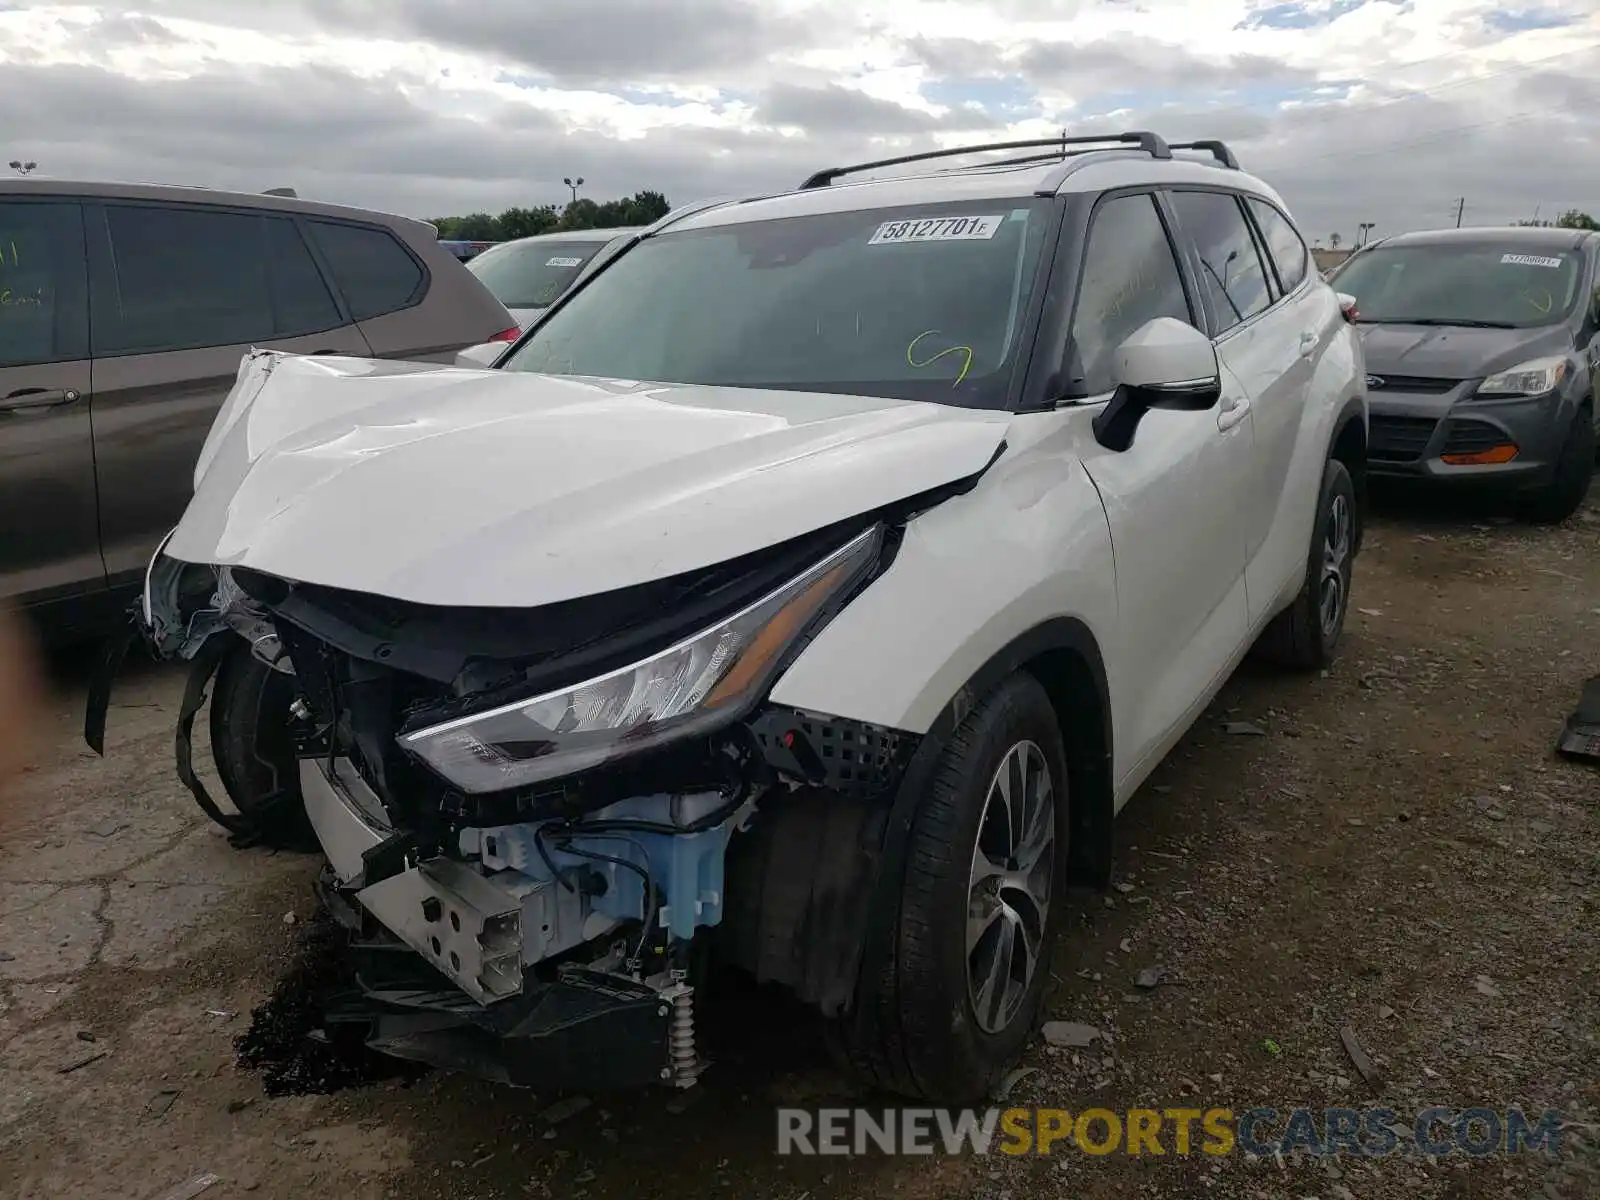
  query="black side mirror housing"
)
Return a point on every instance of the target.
[{"x": 1115, "y": 424}]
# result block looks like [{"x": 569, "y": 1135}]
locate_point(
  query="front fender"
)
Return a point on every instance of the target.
[{"x": 1030, "y": 544}]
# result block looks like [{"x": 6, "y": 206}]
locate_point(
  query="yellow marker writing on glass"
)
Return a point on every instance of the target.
[{"x": 928, "y": 362}]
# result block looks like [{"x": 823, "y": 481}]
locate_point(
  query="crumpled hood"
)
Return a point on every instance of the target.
[
  {"x": 449, "y": 486},
  {"x": 1444, "y": 352}
]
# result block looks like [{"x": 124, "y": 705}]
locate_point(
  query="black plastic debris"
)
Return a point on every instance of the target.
[
  {"x": 1580, "y": 739},
  {"x": 291, "y": 1045}
]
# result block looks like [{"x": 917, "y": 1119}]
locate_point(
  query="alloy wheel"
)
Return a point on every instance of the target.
[
  {"x": 1334, "y": 588},
  {"x": 1009, "y": 888}
]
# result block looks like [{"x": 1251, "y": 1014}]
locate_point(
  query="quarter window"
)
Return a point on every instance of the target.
[
  {"x": 1231, "y": 270},
  {"x": 372, "y": 269},
  {"x": 1130, "y": 277},
  {"x": 43, "y": 318},
  {"x": 1286, "y": 245}
]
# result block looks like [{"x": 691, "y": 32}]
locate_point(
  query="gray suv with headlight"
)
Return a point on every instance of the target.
[{"x": 1482, "y": 347}]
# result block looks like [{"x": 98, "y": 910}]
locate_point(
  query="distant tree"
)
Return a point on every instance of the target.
[
  {"x": 474, "y": 227},
  {"x": 527, "y": 222},
  {"x": 642, "y": 208},
  {"x": 1334, "y": 239},
  {"x": 1571, "y": 219},
  {"x": 582, "y": 213}
]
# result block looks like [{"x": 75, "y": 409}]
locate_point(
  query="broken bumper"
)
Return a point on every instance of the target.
[{"x": 449, "y": 987}]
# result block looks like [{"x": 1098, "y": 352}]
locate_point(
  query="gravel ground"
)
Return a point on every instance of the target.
[{"x": 1390, "y": 848}]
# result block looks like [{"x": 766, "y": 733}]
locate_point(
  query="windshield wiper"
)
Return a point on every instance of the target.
[{"x": 1459, "y": 322}]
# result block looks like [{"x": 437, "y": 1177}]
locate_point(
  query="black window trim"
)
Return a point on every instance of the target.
[
  {"x": 102, "y": 269},
  {"x": 1269, "y": 265},
  {"x": 1272, "y": 259},
  {"x": 419, "y": 294},
  {"x": 1072, "y": 251},
  {"x": 1274, "y": 293},
  {"x": 84, "y": 333}
]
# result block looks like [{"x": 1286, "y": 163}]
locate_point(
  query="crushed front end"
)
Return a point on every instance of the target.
[{"x": 527, "y": 814}]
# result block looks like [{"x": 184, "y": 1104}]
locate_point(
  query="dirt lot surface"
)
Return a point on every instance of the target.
[{"x": 1391, "y": 846}]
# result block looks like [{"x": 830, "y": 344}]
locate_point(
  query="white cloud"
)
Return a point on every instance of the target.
[{"x": 1385, "y": 110}]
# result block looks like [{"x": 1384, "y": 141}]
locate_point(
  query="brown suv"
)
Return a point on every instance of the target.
[{"x": 124, "y": 312}]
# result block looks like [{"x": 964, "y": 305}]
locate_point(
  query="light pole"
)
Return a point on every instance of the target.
[
  {"x": 574, "y": 184},
  {"x": 1363, "y": 229},
  {"x": 25, "y": 168}
]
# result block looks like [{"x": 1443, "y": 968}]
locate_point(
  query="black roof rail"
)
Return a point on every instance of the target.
[
  {"x": 1151, "y": 143},
  {"x": 1218, "y": 150}
]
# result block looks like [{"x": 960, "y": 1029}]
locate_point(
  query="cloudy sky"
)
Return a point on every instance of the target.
[{"x": 1357, "y": 110}]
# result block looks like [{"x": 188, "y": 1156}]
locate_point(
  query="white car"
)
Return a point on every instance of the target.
[
  {"x": 811, "y": 585},
  {"x": 528, "y": 274}
]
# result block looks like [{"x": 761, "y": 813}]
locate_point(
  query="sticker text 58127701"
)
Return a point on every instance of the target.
[
  {"x": 1530, "y": 260},
  {"x": 937, "y": 229}
]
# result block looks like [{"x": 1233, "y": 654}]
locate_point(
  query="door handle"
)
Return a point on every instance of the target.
[
  {"x": 1233, "y": 414},
  {"x": 35, "y": 399}
]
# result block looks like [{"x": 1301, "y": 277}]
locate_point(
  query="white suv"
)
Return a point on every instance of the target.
[{"x": 811, "y": 585}]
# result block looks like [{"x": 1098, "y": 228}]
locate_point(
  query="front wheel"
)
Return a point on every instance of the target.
[
  {"x": 1569, "y": 484},
  {"x": 253, "y": 745},
  {"x": 1306, "y": 634},
  {"x": 960, "y": 995}
]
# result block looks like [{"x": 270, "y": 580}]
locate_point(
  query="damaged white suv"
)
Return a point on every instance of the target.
[{"x": 812, "y": 584}]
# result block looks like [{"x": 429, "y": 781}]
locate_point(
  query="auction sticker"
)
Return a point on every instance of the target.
[
  {"x": 565, "y": 262},
  {"x": 1530, "y": 260},
  {"x": 937, "y": 229}
]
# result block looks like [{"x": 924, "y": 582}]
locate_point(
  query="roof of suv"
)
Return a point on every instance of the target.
[
  {"x": 1531, "y": 236},
  {"x": 576, "y": 235},
  {"x": 1109, "y": 162},
  {"x": 33, "y": 186}
]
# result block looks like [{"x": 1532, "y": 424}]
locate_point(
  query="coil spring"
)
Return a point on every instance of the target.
[{"x": 685, "y": 1059}]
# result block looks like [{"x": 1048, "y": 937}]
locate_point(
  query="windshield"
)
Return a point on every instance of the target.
[
  {"x": 1444, "y": 284},
  {"x": 922, "y": 304},
  {"x": 532, "y": 274}
]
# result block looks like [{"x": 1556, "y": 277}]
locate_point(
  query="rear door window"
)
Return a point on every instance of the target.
[
  {"x": 43, "y": 314},
  {"x": 182, "y": 278},
  {"x": 1285, "y": 244},
  {"x": 374, "y": 271},
  {"x": 1231, "y": 270}
]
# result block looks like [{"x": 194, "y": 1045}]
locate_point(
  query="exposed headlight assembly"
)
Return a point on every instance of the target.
[
  {"x": 703, "y": 682},
  {"x": 1532, "y": 378}
]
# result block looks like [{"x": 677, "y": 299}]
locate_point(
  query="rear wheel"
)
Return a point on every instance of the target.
[
  {"x": 1569, "y": 484},
  {"x": 960, "y": 993},
  {"x": 1306, "y": 634}
]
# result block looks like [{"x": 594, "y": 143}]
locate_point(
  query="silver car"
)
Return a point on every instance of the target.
[
  {"x": 528, "y": 274},
  {"x": 1483, "y": 347}
]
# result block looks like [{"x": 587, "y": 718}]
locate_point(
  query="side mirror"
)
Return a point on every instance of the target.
[
  {"x": 477, "y": 358},
  {"x": 1165, "y": 363},
  {"x": 1347, "y": 306}
]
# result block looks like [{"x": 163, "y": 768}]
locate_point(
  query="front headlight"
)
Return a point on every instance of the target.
[
  {"x": 1532, "y": 378},
  {"x": 699, "y": 684}
]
